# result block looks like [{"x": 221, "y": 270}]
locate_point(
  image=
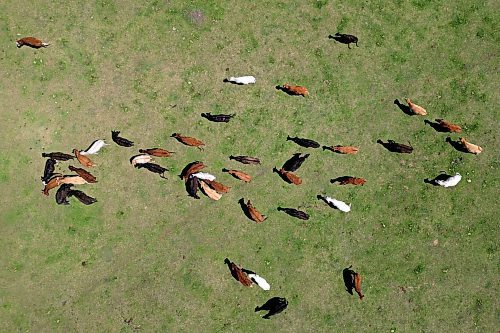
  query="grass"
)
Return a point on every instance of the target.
[{"x": 148, "y": 252}]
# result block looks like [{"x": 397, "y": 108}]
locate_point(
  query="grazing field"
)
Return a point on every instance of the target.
[{"x": 146, "y": 257}]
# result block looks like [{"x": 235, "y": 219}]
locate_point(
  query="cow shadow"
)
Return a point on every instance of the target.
[
  {"x": 348, "y": 276},
  {"x": 244, "y": 208},
  {"x": 405, "y": 108},
  {"x": 457, "y": 145},
  {"x": 437, "y": 127}
]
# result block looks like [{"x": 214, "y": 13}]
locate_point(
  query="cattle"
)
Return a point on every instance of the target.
[
  {"x": 82, "y": 197},
  {"x": 295, "y": 213},
  {"x": 258, "y": 280},
  {"x": 158, "y": 152},
  {"x": 342, "y": 149},
  {"x": 337, "y": 204},
  {"x": 84, "y": 174},
  {"x": 294, "y": 163},
  {"x": 52, "y": 183},
  {"x": 348, "y": 180},
  {"x": 84, "y": 160},
  {"x": 241, "y": 80},
  {"x": 119, "y": 140},
  {"x": 58, "y": 156},
  {"x": 274, "y": 305},
  {"x": 251, "y": 212},
  {"x": 74, "y": 180},
  {"x": 415, "y": 109},
  {"x": 307, "y": 143},
  {"x": 31, "y": 42},
  {"x": 445, "y": 180},
  {"x": 192, "y": 184},
  {"x": 209, "y": 192},
  {"x": 218, "y": 118},
  {"x": 470, "y": 147},
  {"x": 155, "y": 168},
  {"x": 219, "y": 187},
  {"x": 94, "y": 147},
  {"x": 294, "y": 90},
  {"x": 345, "y": 39},
  {"x": 62, "y": 194},
  {"x": 140, "y": 159},
  {"x": 191, "y": 168},
  {"x": 188, "y": 141},
  {"x": 238, "y": 273},
  {"x": 239, "y": 175},
  {"x": 352, "y": 280},
  {"x": 245, "y": 159},
  {"x": 203, "y": 175},
  {"x": 442, "y": 125},
  {"x": 395, "y": 147},
  {"x": 48, "y": 171},
  {"x": 288, "y": 176}
]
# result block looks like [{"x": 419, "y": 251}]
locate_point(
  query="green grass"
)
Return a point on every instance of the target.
[{"x": 148, "y": 252}]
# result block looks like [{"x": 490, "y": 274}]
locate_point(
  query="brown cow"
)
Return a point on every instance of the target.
[
  {"x": 239, "y": 175},
  {"x": 346, "y": 180},
  {"x": 31, "y": 42},
  {"x": 295, "y": 90},
  {"x": 251, "y": 212},
  {"x": 416, "y": 109},
  {"x": 188, "y": 141},
  {"x": 342, "y": 149},
  {"x": 209, "y": 192},
  {"x": 84, "y": 160},
  {"x": 84, "y": 174},
  {"x": 75, "y": 180},
  {"x": 448, "y": 127},
  {"x": 219, "y": 187},
  {"x": 470, "y": 147},
  {"x": 357, "y": 285},
  {"x": 238, "y": 273},
  {"x": 158, "y": 152},
  {"x": 191, "y": 168},
  {"x": 52, "y": 183},
  {"x": 288, "y": 176}
]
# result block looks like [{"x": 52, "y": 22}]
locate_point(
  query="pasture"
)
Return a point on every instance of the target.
[{"x": 148, "y": 252}]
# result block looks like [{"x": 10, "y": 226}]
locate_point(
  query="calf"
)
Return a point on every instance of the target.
[
  {"x": 58, "y": 156},
  {"x": 82, "y": 197},
  {"x": 416, "y": 109},
  {"x": 155, "y": 168},
  {"x": 209, "y": 192},
  {"x": 295, "y": 162},
  {"x": 218, "y": 118},
  {"x": 470, "y": 147},
  {"x": 84, "y": 174},
  {"x": 52, "y": 183},
  {"x": 140, "y": 159},
  {"x": 158, "y": 152},
  {"x": 94, "y": 147},
  {"x": 241, "y": 80},
  {"x": 295, "y": 90},
  {"x": 48, "y": 171},
  {"x": 295, "y": 213},
  {"x": 84, "y": 160},
  {"x": 245, "y": 159},
  {"x": 345, "y": 39},
  {"x": 342, "y": 149},
  {"x": 192, "y": 184},
  {"x": 191, "y": 168},
  {"x": 307, "y": 143},
  {"x": 346, "y": 180},
  {"x": 219, "y": 187},
  {"x": 188, "y": 141},
  {"x": 31, "y": 42},
  {"x": 289, "y": 177},
  {"x": 62, "y": 194},
  {"x": 119, "y": 140},
  {"x": 239, "y": 175},
  {"x": 395, "y": 147},
  {"x": 238, "y": 273},
  {"x": 274, "y": 305}
]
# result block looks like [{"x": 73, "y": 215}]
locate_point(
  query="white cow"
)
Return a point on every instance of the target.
[
  {"x": 260, "y": 281},
  {"x": 203, "y": 175},
  {"x": 94, "y": 147},
  {"x": 450, "y": 181},
  {"x": 340, "y": 205},
  {"x": 241, "y": 80}
]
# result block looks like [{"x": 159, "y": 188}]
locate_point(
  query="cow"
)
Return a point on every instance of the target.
[
  {"x": 84, "y": 174},
  {"x": 218, "y": 118},
  {"x": 84, "y": 160},
  {"x": 158, "y": 152},
  {"x": 188, "y": 141},
  {"x": 191, "y": 168},
  {"x": 155, "y": 168},
  {"x": 241, "y": 80},
  {"x": 238, "y": 273},
  {"x": 31, "y": 42},
  {"x": 307, "y": 143},
  {"x": 94, "y": 147},
  {"x": 445, "y": 180},
  {"x": 337, "y": 204},
  {"x": 192, "y": 184},
  {"x": 346, "y": 180},
  {"x": 48, "y": 171},
  {"x": 219, "y": 187},
  {"x": 345, "y": 39},
  {"x": 415, "y": 109},
  {"x": 295, "y": 213},
  {"x": 288, "y": 176},
  {"x": 203, "y": 175},
  {"x": 294, "y": 162},
  {"x": 209, "y": 192},
  {"x": 245, "y": 159},
  {"x": 274, "y": 305},
  {"x": 251, "y": 212},
  {"x": 470, "y": 147},
  {"x": 239, "y": 175},
  {"x": 119, "y": 140},
  {"x": 294, "y": 90},
  {"x": 342, "y": 149},
  {"x": 62, "y": 194},
  {"x": 82, "y": 197},
  {"x": 140, "y": 159},
  {"x": 52, "y": 183},
  {"x": 442, "y": 125},
  {"x": 75, "y": 180},
  {"x": 58, "y": 156},
  {"x": 352, "y": 280}
]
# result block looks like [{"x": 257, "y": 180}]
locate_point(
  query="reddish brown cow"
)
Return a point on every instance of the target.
[
  {"x": 342, "y": 149},
  {"x": 188, "y": 141},
  {"x": 31, "y": 42},
  {"x": 295, "y": 90}
]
